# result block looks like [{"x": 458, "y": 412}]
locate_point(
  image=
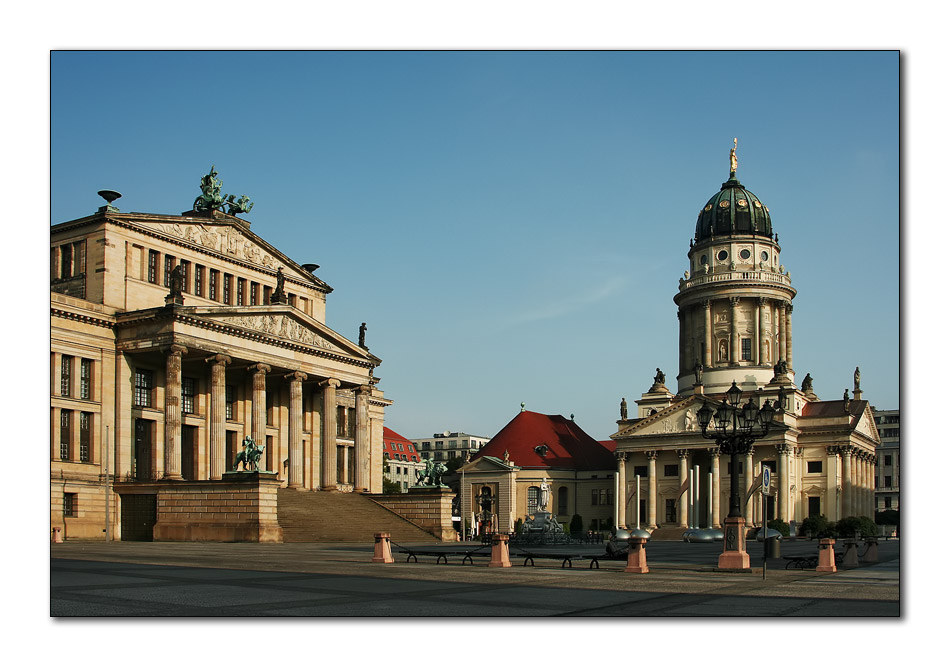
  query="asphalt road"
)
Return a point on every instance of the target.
[{"x": 260, "y": 580}]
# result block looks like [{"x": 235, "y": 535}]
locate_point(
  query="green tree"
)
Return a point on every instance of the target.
[
  {"x": 577, "y": 524},
  {"x": 453, "y": 464},
  {"x": 780, "y": 526},
  {"x": 391, "y": 487},
  {"x": 817, "y": 526}
]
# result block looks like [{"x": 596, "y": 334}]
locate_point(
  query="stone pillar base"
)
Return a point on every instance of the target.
[
  {"x": 382, "y": 552},
  {"x": 734, "y": 556},
  {"x": 870, "y": 556},
  {"x": 499, "y": 551},
  {"x": 850, "y": 554},
  {"x": 826, "y": 556},
  {"x": 637, "y": 556}
]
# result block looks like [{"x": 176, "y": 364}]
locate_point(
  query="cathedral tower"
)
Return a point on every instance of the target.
[{"x": 735, "y": 301}]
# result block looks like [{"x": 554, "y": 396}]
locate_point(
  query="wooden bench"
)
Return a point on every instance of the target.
[
  {"x": 566, "y": 559},
  {"x": 443, "y": 556}
]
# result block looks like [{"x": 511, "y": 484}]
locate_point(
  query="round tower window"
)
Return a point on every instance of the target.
[
  {"x": 722, "y": 255},
  {"x": 745, "y": 254},
  {"x": 704, "y": 260},
  {"x": 765, "y": 256}
]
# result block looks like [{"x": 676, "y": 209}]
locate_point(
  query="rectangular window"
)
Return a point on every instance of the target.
[
  {"x": 229, "y": 401},
  {"x": 671, "y": 470},
  {"x": 185, "y": 275},
  {"x": 254, "y": 291},
  {"x": 85, "y": 379},
  {"x": 640, "y": 470},
  {"x": 887, "y": 481},
  {"x": 213, "y": 285},
  {"x": 887, "y": 502},
  {"x": 814, "y": 466},
  {"x": 169, "y": 267},
  {"x": 741, "y": 467},
  {"x": 747, "y": 349},
  {"x": 65, "y": 375},
  {"x": 69, "y": 504},
  {"x": 142, "y": 396},
  {"x": 85, "y": 427},
  {"x": 814, "y": 505},
  {"x": 887, "y": 459},
  {"x": 266, "y": 295},
  {"x": 65, "y": 418},
  {"x": 66, "y": 262},
  {"x": 240, "y": 291},
  {"x": 199, "y": 280},
  {"x": 292, "y": 300},
  {"x": 153, "y": 266},
  {"x": 228, "y": 279},
  {"x": 188, "y": 396}
]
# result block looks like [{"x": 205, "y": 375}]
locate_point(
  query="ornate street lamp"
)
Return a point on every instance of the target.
[{"x": 735, "y": 428}]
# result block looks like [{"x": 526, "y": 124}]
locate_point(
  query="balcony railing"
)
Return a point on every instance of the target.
[{"x": 759, "y": 276}]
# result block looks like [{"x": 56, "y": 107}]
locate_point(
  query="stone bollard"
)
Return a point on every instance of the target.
[
  {"x": 870, "y": 555},
  {"x": 58, "y": 535},
  {"x": 499, "y": 551},
  {"x": 826, "y": 555},
  {"x": 637, "y": 556},
  {"x": 850, "y": 554},
  {"x": 382, "y": 552}
]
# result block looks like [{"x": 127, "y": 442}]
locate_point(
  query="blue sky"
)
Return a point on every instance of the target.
[{"x": 511, "y": 225}]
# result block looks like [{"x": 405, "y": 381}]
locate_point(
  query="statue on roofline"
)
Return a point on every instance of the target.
[{"x": 211, "y": 198}]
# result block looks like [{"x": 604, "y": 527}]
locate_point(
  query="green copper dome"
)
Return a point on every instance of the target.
[{"x": 733, "y": 210}]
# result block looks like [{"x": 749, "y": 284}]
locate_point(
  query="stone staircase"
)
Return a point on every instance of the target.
[{"x": 308, "y": 516}]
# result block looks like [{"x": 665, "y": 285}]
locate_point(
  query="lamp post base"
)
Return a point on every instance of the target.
[{"x": 734, "y": 556}]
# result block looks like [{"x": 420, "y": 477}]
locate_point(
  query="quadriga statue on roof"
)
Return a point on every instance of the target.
[{"x": 211, "y": 198}]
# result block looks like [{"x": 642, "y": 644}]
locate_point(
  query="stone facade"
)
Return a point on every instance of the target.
[
  {"x": 152, "y": 386},
  {"x": 430, "y": 509},
  {"x": 735, "y": 318}
]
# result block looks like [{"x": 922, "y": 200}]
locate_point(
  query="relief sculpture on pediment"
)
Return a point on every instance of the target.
[{"x": 281, "y": 326}]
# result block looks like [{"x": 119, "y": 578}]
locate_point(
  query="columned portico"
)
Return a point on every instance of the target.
[
  {"x": 173, "y": 411},
  {"x": 651, "y": 490},
  {"x": 734, "y": 333},
  {"x": 782, "y": 450},
  {"x": 216, "y": 429},
  {"x": 328, "y": 478},
  {"x": 259, "y": 402},
  {"x": 847, "y": 482},
  {"x": 362, "y": 438},
  {"x": 295, "y": 444},
  {"x": 788, "y": 335}
]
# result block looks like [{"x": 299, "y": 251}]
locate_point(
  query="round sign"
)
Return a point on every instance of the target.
[{"x": 766, "y": 477}]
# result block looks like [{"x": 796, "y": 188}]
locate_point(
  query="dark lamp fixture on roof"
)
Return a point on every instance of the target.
[{"x": 109, "y": 195}]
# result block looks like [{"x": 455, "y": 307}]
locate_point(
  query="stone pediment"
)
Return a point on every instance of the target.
[
  {"x": 677, "y": 418},
  {"x": 284, "y": 323},
  {"x": 865, "y": 425},
  {"x": 488, "y": 464},
  {"x": 228, "y": 236}
]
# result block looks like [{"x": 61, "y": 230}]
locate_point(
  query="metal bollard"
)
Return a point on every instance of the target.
[
  {"x": 637, "y": 556},
  {"x": 382, "y": 552}
]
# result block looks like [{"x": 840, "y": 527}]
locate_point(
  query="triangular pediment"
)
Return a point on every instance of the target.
[
  {"x": 228, "y": 236},
  {"x": 284, "y": 323},
  {"x": 677, "y": 418},
  {"x": 485, "y": 464},
  {"x": 865, "y": 425}
]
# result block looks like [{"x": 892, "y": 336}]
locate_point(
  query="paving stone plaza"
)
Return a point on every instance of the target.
[{"x": 312, "y": 580}]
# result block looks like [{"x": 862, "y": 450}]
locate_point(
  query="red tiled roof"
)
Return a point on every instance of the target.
[
  {"x": 391, "y": 439},
  {"x": 833, "y": 408},
  {"x": 609, "y": 444},
  {"x": 567, "y": 444}
]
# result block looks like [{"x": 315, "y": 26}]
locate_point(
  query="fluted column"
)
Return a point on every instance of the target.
[
  {"x": 328, "y": 446},
  {"x": 831, "y": 484},
  {"x": 681, "y": 500},
  {"x": 216, "y": 430},
  {"x": 622, "y": 490},
  {"x": 748, "y": 474},
  {"x": 708, "y": 333},
  {"x": 361, "y": 438},
  {"x": 763, "y": 327},
  {"x": 173, "y": 411},
  {"x": 734, "y": 354},
  {"x": 782, "y": 451},
  {"x": 259, "y": 405},
  {"x": 788, "y": 335},
  {"x": 847, "y": 482},
  {"x": 295, "y": 446},
  {"x": 716, "y": 491},
  {"x": 864, "y": 484},
  {"x": 651, "y": 490}
]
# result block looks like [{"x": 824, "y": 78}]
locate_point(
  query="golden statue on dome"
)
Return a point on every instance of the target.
[{"x": 733, "y": 163}]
